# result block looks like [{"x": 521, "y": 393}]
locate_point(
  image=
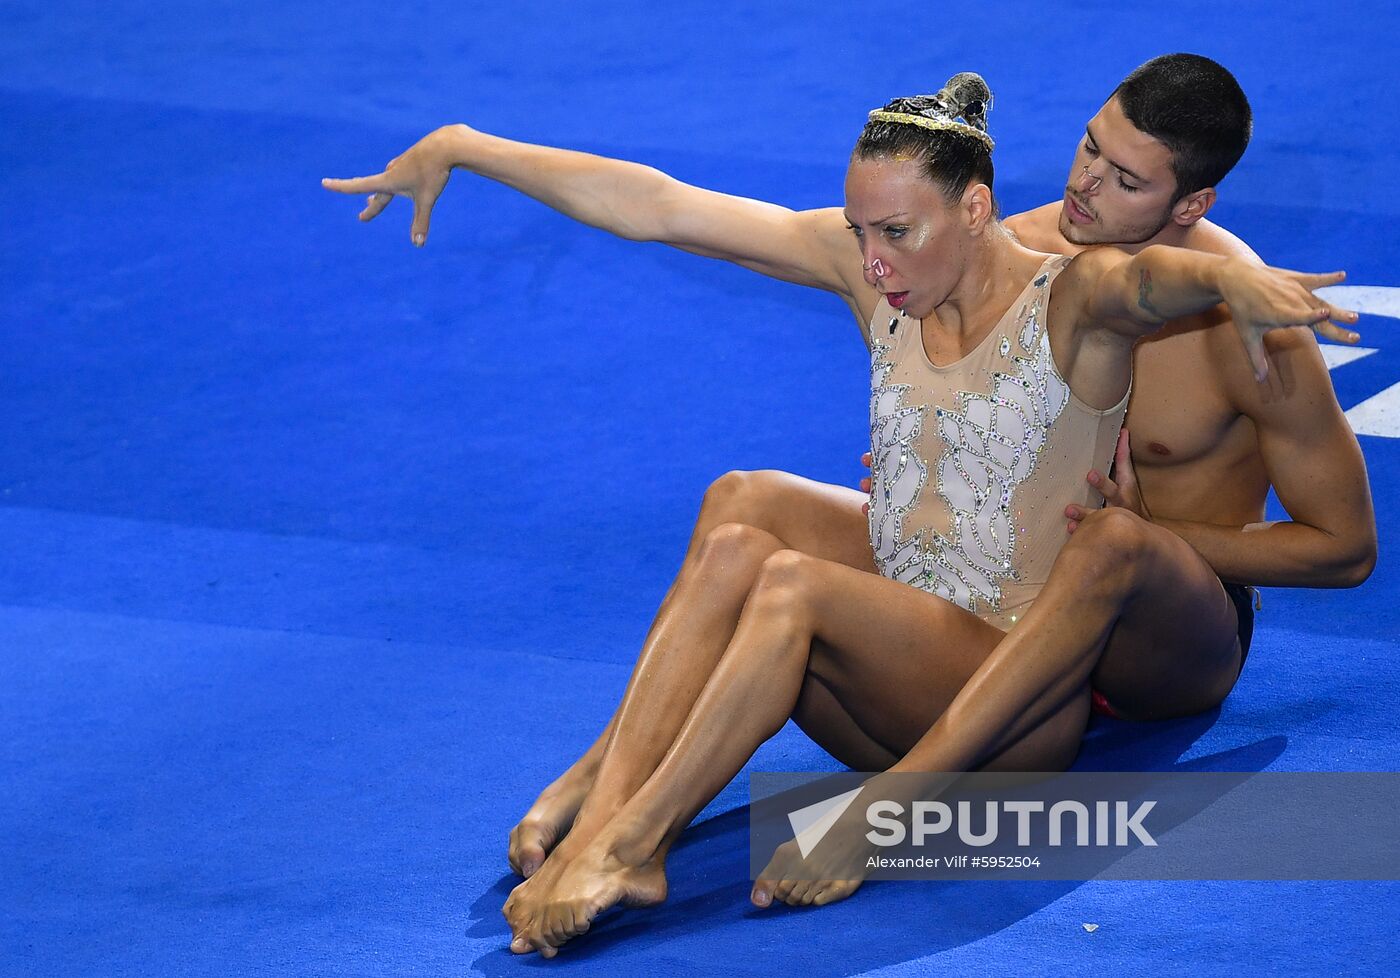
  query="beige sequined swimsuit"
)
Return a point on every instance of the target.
[{"x": 973, "y": 463}]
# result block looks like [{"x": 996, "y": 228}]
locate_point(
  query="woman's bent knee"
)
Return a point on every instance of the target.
[
  {"x": 745, "y": 497},
  {"x": 785, "y": 585},
  {"x": 735, "y": 545},
  {"x": 786, "y": 568}
]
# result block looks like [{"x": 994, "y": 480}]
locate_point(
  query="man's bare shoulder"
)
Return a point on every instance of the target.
[
  {"x": 1215, "y": 240},
  {"x": 1298, "y": 374},
  {"x": 1039, "y": 229}
]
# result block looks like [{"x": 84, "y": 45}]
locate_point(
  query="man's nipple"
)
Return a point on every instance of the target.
[{"x": 1157, "y": 448}]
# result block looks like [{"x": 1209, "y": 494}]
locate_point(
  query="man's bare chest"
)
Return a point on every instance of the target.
[{"x": 1178, "y": 414}]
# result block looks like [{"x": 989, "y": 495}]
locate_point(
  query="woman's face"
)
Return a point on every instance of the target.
[{"x": 900, "y": 219}]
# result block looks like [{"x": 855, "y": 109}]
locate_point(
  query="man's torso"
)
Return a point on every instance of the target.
[{"x": 1195, "y": 454}]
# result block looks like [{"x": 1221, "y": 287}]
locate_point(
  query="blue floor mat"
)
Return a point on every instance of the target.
[{"x": 324, "y": 554}]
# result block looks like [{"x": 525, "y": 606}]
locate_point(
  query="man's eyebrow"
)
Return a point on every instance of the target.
[{"x": 1117, "y": 166}]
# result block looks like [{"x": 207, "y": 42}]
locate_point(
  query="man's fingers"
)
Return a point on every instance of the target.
[
  {"x": 355, "y": 185},
  {"x": 865, "y": 460},
  {"x": 865, "y": 484},
  {"x": 1106, "y": 486},
  {"x": 377, "y": 203},
  {"x": 1123, "y": 462}
]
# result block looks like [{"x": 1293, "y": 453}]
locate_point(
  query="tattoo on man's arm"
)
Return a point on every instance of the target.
[{"x": 1145, "y": 294}]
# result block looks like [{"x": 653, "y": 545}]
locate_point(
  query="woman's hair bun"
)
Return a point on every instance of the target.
[{"x": 967, "y": 96}]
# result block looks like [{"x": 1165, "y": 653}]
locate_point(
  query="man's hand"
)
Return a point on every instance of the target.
[
  {"x": 1263, "y": 298},
  {"x": 1122, "y": 491},
  {"x": 419, "y": 173}
]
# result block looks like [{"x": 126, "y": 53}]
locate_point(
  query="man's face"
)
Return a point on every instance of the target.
[{"x": 1121, "y": 188}]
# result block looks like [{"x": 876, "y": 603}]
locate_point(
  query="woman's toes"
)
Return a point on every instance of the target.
[{"x": 762, "y": 893}]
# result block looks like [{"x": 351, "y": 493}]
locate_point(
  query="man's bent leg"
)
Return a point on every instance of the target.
[
  {"x": 1117, "y": 576},
  {"x": 1175, "y": 650}
]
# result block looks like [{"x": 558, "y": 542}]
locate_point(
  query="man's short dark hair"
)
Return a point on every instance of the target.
[{"x": 1196, "y": 108}]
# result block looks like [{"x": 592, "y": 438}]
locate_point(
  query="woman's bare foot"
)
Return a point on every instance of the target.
[
  {"x": 529, "y": 895},
  {"x": 591, "y": 883},
  {"x": 526, "y": 896},
  {"x": 548, "y": 820}
]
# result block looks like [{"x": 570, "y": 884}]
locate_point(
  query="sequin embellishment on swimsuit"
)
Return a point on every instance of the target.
[{"x": 991, "y": 443}]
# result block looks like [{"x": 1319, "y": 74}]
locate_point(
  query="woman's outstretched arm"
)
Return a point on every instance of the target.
[{"x": 630, "y": 200}]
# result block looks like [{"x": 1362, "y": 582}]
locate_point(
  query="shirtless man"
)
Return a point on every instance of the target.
[
  {"x": 1193, "y": 656},
  {"x": 1205, "y": 445}
]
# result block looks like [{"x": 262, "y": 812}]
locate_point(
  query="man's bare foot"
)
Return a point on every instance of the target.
[
  {"x": 593, "y": 882},
  {"x": 786, "y": 879},
  {"x": 548, "y": 820}
]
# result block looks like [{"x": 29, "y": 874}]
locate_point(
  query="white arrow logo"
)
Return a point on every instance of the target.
[
  {"x": 1378, "y": 415},
  {"x": 1373, "y": 300},
  {"x": 810, "y": 824}
]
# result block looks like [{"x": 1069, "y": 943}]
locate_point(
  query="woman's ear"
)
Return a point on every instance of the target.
[{"x": 978, "y": 208}]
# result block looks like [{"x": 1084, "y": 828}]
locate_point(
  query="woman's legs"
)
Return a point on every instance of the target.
[
  {"x": 1014, "y": 702},
  {"x": 894, "y": 657},
  {"x": 691, "y": 629}
]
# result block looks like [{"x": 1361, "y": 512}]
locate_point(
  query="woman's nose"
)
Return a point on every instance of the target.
[{"x": 874, "y": 269}]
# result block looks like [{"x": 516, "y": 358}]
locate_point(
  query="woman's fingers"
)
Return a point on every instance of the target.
[
  {"x": 356, "y": 185},
  {"x": 377, "y": 203},
  {"x": 1335, "y": 333},
  {"x": 1318, "y": 280},
  {"x": 1325, "y": 325},
  {"x": 424, "y": 198},
  {"x": 422, "y": 212},
  {"x": 1254, "y": 347}
]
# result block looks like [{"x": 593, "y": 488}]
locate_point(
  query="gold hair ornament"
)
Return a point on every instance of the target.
[{"x": 924, "y": 122}]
